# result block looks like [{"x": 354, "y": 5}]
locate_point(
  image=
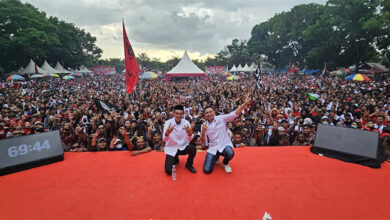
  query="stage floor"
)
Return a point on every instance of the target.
[{"x": 287, "y": 182}]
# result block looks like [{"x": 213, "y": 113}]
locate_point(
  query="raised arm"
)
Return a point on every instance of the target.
[
  {"x": 244, "y": 105},
  {"x": 203, "y": 134}
]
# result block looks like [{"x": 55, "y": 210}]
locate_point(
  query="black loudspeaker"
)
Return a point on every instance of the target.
[
  {"x": 30, "y": 151},
  {"x": 349, "y": 145}
]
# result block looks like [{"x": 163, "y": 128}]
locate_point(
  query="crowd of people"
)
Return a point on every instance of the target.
[{"x": 280, "y": 112}]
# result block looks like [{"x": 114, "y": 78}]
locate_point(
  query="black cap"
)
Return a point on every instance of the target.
[
  {"x": 156, "y": 132},
  {"x": 179, "y": 107}
]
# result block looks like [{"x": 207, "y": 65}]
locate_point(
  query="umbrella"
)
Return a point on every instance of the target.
[
  {"x": 68, "y": 77},
  {"x": 358, "y": 77},
  {"x": 149, "y": 75},
  {"x": 75, "y": 74},
  {"x": 226, "y": 73},
  {"x": 15, "y": 77},
  {"x": 54, "y": 75},
  {"x": 36, "y": 76},
  {"x": 339, "y": 72},
  {"x": 233, "y": 77}
]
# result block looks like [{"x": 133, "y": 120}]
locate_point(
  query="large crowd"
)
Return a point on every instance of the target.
[{"x": 280, "y": 113}]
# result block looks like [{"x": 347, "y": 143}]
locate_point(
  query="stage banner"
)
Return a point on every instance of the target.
[
  {"x": 215, "y": 69},
  {"x": 103, "y": 70}
]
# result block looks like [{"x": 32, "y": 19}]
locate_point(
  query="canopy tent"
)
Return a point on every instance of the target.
[
  {"x": 60, "y": 68},
  {"x": 45, "y": 66},
  {"x": 253, "y": 67},
  {"x": 246, "y": 68},
  {"x": 84, "y": 69},
  {"x": 233, "y": 69},
  {"x": 239, "y": 68},
  {"x": 372, "y": 68},
  {"x": 30, "y": 69},
  {"x": 185, "y": 68}
]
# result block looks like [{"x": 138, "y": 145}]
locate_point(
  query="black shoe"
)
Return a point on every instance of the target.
[{"x": 191, "y": 169}]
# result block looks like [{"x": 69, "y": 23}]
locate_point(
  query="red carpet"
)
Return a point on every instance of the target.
[{"x": 287, "y": 182}]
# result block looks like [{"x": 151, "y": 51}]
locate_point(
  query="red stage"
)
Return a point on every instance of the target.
[{"x": 287, "y": 182}]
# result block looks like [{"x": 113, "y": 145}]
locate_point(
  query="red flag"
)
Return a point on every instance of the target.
[
  {"x": 131, "y": 65},
  {"x": 36, "y": 69}
]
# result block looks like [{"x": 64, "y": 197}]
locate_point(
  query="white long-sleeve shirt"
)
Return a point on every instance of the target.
[
  {"x": 178, "y": 138},
  {"x": 218, "y": 133}
]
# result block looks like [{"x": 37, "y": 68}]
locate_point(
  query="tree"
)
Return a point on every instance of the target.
[
  {"x": 118, "y": 63},
  {"x": 339, "y": 37},
  {"x": 143, "y": 60},
  {"x": 172, "y": 62},
  {"x": 380, "y": 26},
  {"x": 237, "y": 53},
  {"x": 26, "y": 33},
  {"x": 280, "y": 39}
]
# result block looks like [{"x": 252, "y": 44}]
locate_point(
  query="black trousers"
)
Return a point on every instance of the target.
[{"x": 170, "y": 160}]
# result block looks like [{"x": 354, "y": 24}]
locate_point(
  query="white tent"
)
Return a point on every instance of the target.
[
  {"x": 185, "y": 68},
  {"x": 233, "y": 69},
  {"x": 60, "y": 68},
  {"x": 239, "y": 68},
  {"x": 45, "y": 66},
  {"x": 253, "y": 67},
  {"x": 246, "y": 68},
  {"x": 84, "y": 69},
  {"x": 30, "y": 69}
]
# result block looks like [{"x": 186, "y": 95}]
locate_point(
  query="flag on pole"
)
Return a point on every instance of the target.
[
  {"x": 36, "y": 69},
  {"x": 313, "y": 96},
  {"x": 131, "y": 65},
  {"x": 258, "y": 74},
  {"x": 105, "y": 106},
  {"x": 323, "y": 72}
]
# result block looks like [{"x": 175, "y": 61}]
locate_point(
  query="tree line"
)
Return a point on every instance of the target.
[
  {"x": 340, "y": 33},
  {"x": 27, "y": 33}
]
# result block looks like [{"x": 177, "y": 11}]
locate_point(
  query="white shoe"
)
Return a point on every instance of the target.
[{"x": 227, "y": 168}]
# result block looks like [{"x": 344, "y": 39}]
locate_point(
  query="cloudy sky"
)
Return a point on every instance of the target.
[{"x": 165, "y": 28}]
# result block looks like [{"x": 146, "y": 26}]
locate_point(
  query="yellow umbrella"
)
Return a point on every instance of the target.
[
  {"x": 233, "y": 77},
  {"x": 54, "y": 75}
]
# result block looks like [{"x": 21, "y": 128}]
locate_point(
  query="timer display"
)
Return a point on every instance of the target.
[
  {"x": 30, "y": 151},
  {"x": 24, "y": 149}
]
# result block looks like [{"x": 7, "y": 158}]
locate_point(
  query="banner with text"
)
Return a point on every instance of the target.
[
  {"x": 215, "y": 69},
  {"x": 103, "y": 70}
]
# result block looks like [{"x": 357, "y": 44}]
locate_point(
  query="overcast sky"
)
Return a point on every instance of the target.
[{"x": 165, "y": 28}]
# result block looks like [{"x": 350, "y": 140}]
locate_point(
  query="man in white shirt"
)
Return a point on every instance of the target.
[
  {"x": 177, "y": 136},
  {"x": 217, "y": 132}
]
